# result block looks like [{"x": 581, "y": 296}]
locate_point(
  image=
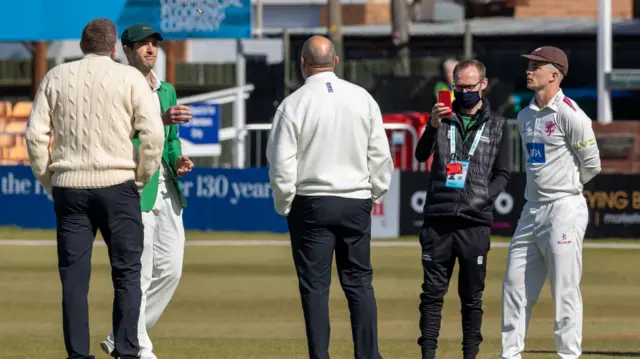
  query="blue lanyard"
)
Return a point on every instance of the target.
[{"x": 474, "y": 145}]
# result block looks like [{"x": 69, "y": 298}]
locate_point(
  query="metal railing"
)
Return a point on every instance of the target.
[
  {"x": 256, "y": 140},
  {"x": 257, "y": 153},
  {"x": 398, "y": 150},
  {"x": 257, "y": 134},
  {"x": 415, "y": 165},
  {"x": 236, "y": 95}
]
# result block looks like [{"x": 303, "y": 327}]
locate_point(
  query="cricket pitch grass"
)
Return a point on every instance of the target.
[{"x": 242, "y": 302}]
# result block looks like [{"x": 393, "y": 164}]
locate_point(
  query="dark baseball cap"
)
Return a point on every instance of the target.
[
  {"x": 138, "y": 32},
  {"x": 552, "y": 55}
]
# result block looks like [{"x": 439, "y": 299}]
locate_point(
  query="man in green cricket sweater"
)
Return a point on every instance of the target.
[{"x": 162, "y": 199}]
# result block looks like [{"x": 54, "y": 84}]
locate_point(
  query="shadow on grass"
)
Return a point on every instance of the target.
[{"x": 593, "y": 352}]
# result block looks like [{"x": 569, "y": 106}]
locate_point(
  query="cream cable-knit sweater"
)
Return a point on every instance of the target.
[{"x": 92, "y": 107}]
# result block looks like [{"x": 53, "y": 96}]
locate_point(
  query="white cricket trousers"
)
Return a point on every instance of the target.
[
  {"x": 162, "y": 259},
  {"x": 547, "y": 242}
]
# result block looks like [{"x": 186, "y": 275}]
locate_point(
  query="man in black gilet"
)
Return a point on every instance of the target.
[{"x": 470, "y": 169}]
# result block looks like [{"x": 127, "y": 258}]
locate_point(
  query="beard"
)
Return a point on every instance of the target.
[{"x": 146, "y": 65}]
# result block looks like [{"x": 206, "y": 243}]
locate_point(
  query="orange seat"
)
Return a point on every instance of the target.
[
  {"x": 6, "y": 140},
  {"x": 22, "y": 109},
  {"x": 18, "y": 153},
  {"x": 5, "y": 109},
  {"x": 17, "y": 127},
  {"x": 21, "y": 141}
]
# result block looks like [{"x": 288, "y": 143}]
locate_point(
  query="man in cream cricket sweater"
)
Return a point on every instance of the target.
[
  {"x": 329, "y": 160},
  {"x": 91, "y": 108}
]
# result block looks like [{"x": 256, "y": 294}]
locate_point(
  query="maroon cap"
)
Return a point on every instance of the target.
[{"x": 552, "y": 55}]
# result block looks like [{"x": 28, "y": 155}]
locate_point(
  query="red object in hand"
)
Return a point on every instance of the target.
[
  {"x": 444, "y": 96},
  {"x": 454, "y": 168}
]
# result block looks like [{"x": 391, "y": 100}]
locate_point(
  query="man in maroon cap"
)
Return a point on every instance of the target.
[{"x": 562, "y": 155}]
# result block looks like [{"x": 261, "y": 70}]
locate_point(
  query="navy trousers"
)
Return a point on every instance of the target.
[
  {"x": 319, "y": 226},
  {"x": 115, "y": 211}
]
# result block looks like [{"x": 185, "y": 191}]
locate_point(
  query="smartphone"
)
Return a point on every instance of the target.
[{"x": 444, "y": 96}]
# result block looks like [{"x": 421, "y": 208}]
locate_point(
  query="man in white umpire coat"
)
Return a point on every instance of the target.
[{"x": 329, "y": 160}]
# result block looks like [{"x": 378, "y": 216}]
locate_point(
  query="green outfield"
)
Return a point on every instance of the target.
[
  {"x": 23, "y": 234},
  {"x": 242, "y": 302}
]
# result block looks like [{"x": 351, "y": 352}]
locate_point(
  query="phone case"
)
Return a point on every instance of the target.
[{"x": 444, "y": 96}]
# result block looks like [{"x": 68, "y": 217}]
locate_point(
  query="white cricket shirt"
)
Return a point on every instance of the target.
[
  {"x": 165, "y": 175},
  {"x": 561, "y": 150},
  {"x": 328, "y": 139}
]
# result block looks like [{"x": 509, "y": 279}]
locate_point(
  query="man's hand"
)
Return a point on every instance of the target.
[
  {"x": 183, "y": 165},
  {"x": 438, "y": 112},
  {"x": 176, "y": 115}
]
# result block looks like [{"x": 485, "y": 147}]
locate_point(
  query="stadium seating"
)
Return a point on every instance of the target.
[{"x": 13, "y": 122}]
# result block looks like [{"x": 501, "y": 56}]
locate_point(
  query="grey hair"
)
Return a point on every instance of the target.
[{"x": 318, "y": 57}]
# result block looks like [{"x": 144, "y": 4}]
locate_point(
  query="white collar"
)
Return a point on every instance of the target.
[
  {"x": 96, "y": 55},
  {"x": 155, "y": 81},
  {"x": 321, "y": 76},
  {"x": 554, "y": 104}
]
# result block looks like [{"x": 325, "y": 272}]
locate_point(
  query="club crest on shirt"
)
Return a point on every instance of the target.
[{"x": 549, "y": 127}]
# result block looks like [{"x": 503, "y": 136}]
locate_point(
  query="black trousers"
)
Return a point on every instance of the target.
[
  {"x": 116, "y": 212},
  {"x": 318, "y": 226},
  {"x": 443, "y": 241}
]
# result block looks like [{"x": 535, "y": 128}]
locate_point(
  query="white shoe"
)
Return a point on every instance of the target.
[{"x": 107, "y": 347}]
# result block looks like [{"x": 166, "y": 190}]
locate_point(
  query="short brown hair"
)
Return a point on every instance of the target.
[
  {"x": 99, "y": 36},
  {"x": 482, "y": 70}
]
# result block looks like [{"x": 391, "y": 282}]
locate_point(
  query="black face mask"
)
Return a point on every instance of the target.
[{"x": 467, "y": 99}]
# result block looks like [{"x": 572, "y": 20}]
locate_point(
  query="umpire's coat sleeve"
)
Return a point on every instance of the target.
[{"x": 282, "y": 148}]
